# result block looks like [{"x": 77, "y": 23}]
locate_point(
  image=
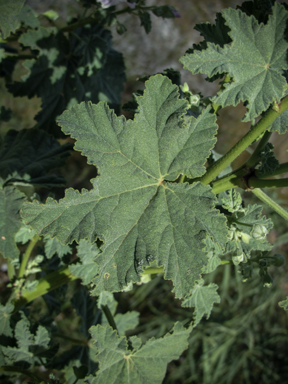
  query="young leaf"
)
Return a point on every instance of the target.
[
  {"x": 251, "y": 60},
  {"x": 134, "y": 207},
  {"x": 202, "y": 298},
  {"x": 87, "y": 268},
  {"x": 284, "y": 304},
  {"x": 5, "y": 313},
  {"x": 11, "y": 200},
  {"x": 53, "y": 246},
  {"x": 29, "y": 345},
  {"x": 145, "y": 365},
  {"x": 8, "y": 12}
]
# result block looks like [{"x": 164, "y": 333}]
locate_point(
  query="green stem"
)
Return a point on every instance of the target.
[
  {"x": 254, "y": 182},
  {"x": 27, "y": 254},
  {"x": 80, "y": 23},
  {"x": 232, "y": 180},
  {"x": 223, "y": 262},
  {"x": 242, "y": 144},
  {"x": 255, "y": 156},
  {"x": 84, "y": 342},
  {"x": 48, "y": 283},
  {"x": 152, "y": 271},
  {"x": 109, "y": 317},
  {"x": 13, "y": 369},
  {"x": 11, "y": 269},
  {"x": 283, "y": 168},
  {"x": 272, "y": 204},
  {"x": 182, "y": 179}
]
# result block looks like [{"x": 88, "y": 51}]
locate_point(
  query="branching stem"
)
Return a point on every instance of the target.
[
  {"x": 242, "y": 144},
  {"x": 272, "y": 204}
]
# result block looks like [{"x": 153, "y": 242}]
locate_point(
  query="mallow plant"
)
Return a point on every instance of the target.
[{"x": 163, "y": 205}]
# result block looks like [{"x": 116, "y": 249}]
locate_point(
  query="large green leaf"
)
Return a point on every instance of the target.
[
  {"x": 8, "y": 12},
  {"x": 145, "y": 364},
  {"x": 134, "y": 206},
  {"x": 11, "y": 201},
  {"x": 255, "y": 60}
]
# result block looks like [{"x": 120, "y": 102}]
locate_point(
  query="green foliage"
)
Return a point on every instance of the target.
[
  {"x": 144, "y": 363},
  {"x": 153, "y": 237},
  {"x": 251, "y": 61}
]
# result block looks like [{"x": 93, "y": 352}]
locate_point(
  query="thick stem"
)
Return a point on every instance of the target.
[
  {"x": 242, "y": 144},
  {"x": 264, "y": 183},
  {"x": 46, "y": 284},
  {"x": 11, "y": 269},
  {"x": 27, "y": 254},
  {"x": 272, "y": 204}
]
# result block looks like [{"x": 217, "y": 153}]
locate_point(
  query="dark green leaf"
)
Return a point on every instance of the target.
[
  {"x": 8, "y": 16},
  {"x": 11, "y": 201},
  {"x": 153, "y": 218}
]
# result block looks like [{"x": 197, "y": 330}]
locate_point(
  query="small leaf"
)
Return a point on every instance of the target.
[
  {"x": 8, "y": 16},
  {"x": 5, "y": 313},
  {"x": 87, "y": 268},
  {"x": 202, "y": 298},
  {"x": 11, "y": 201},
  {"x": 53, "y": 246},
  {"x": 284, "y": 304}
]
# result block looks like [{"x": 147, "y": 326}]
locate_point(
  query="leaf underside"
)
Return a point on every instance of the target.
[{"x": 134, "y": 207}]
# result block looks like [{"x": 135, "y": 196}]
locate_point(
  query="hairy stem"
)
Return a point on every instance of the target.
[
  {"x": 27, "y": 254},
  {"x": 271, "y": 183},
  {"x": 242, "y": 144},
  {"x": 272, "y": 204},
  {"x": 46, "y": 284}
]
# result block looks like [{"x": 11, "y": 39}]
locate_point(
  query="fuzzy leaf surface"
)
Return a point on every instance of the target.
[
  {"x": 147, "y": 364},
  {"x": 11, "y": 201},
  {"x": 5, "y": 313},
  {"x": 8, "y": 12},
  {"x": 202, "y": 297},
  {"x": 255, "y": 60},
  {"x": 134, "y": 206}
]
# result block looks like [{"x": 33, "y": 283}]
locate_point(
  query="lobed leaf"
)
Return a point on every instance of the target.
[
  {"x": 202, "y": 298},
  {"x": 256, "y": 60},
  {"x": 8, "y": 16},
  {"x": 146, "y": 364},
  {"x": 134, "y": 206}
]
